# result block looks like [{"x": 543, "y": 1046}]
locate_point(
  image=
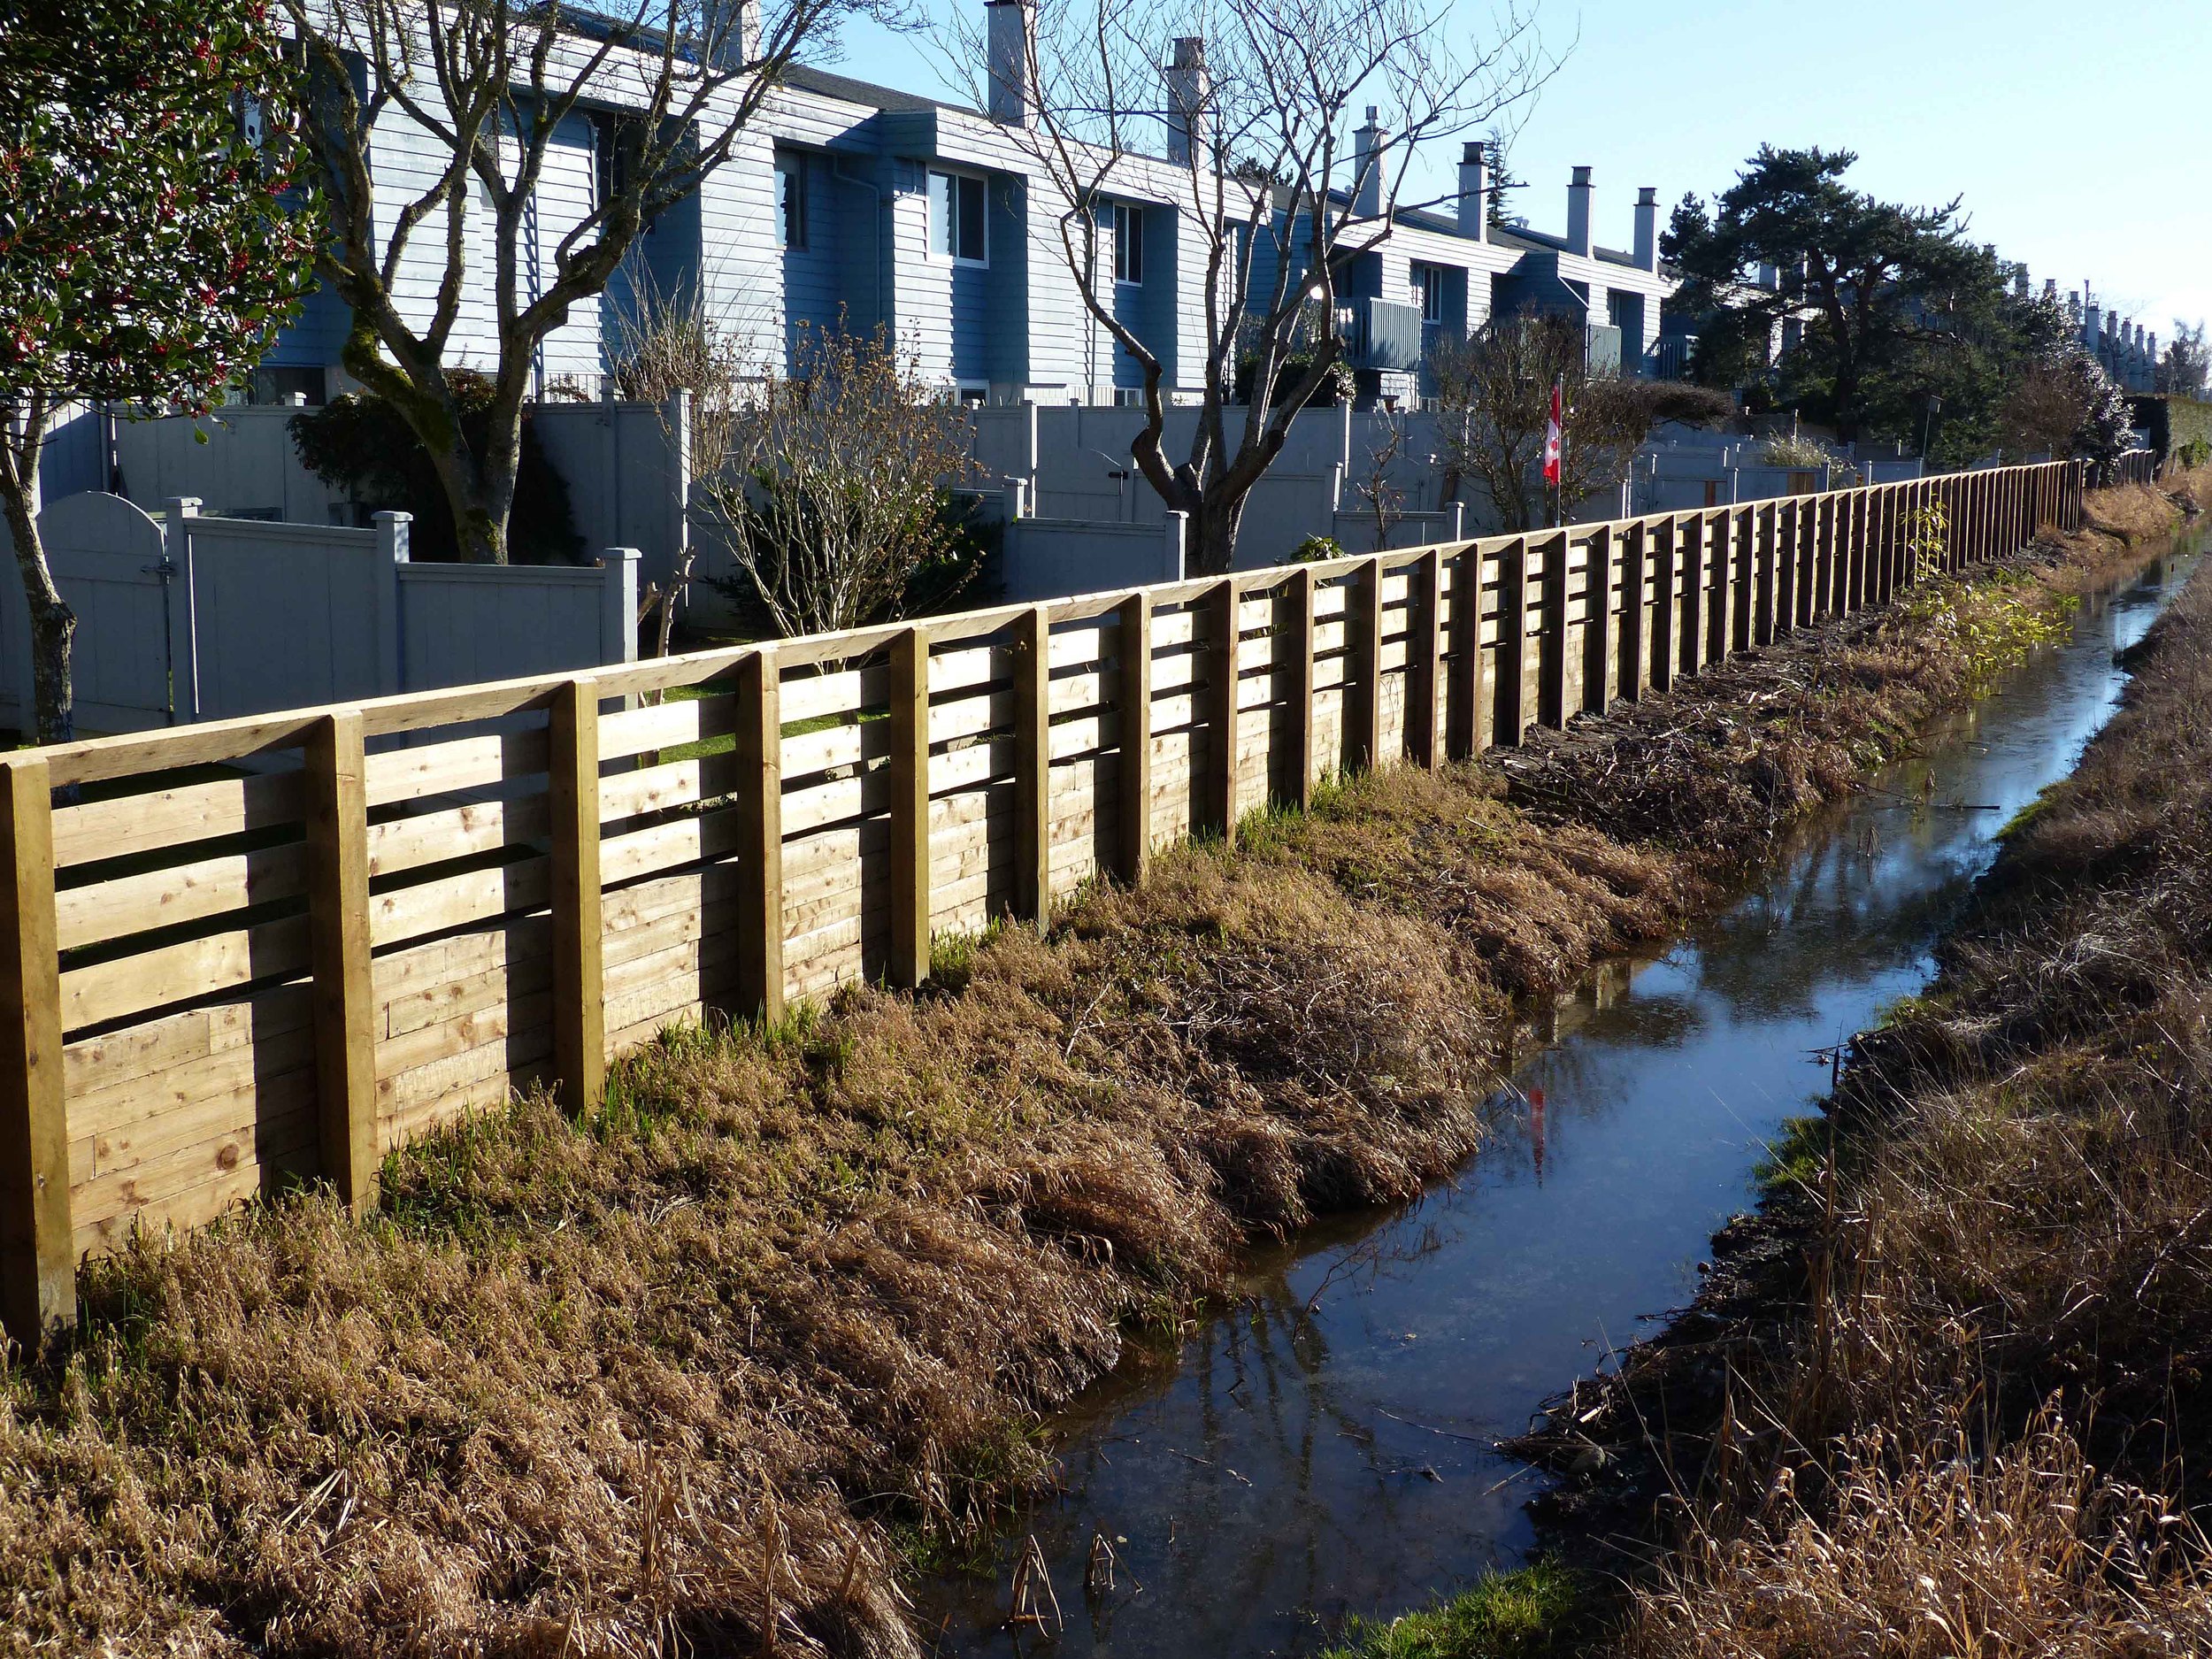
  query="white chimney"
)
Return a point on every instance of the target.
[
  {"x": 2050, "y": 289},
  {"x": 1648, "y": 228},
  {"x": 1009, "y": 42},
  {"x": 1474, "y": 191},
  {"x": 1579, "y": 212},
  {"x": 1367, "y": 167},
  {"x": 2091, "y": 318},
  {"x": 1189, "y": 91}
]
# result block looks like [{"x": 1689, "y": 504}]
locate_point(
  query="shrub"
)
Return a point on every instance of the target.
[{"x": 361, "y": 444}]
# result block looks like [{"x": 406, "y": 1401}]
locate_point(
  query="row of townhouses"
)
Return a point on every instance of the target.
[
  {"x": 2129, "y": 353},
  {"x": 850, "y": 201}
]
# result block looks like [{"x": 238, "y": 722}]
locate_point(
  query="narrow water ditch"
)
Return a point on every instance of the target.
[{"x": 1324, "y": 1447}]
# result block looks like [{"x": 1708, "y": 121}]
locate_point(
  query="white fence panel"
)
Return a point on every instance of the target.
[
  {"x": 627, "y": 466},
  {"x": 287, "y": 616},
  {"x": 462, "y": 623},
  {"x": 1052, "y": 558},
  {"x": 245, "y": 469}
]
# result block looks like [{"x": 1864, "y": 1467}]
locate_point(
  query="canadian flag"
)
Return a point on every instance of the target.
[{"x": 1552, "y": 432}]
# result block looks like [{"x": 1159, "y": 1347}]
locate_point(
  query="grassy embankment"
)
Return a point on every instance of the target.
[{"x": 711, "y": 1366}]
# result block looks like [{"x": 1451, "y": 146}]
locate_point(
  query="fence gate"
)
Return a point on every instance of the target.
[{"x": 109, "y": 561}]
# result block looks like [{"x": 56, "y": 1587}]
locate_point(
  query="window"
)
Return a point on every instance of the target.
[
  {"x": 1429, "y": 279},
  {"x": 1128, "y": 397},
  {"x": 790, "y": 200},
  {"x": 955, "y": 215},
  {"x": 614, "y": 144},
  {"x": 1128, "y": 243}
]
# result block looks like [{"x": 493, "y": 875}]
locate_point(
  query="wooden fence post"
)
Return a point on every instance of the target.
[
  {"x": 1797, "y": 564},
  {"x": 1033, "y": 768},
  {"x": 1424, "y": 657},
  {"x": 1462, "y": 690},
  {"x": 1663, "y": 653},
  {"x": 38, "y": 1277},
  {"x": 338, "y": 925},
  {"x": 1766, "y": 538},
  {"x": 1690, "y": 543},
  {"x": 910, "y": 806},
  {"x": 1721, "y": 554},
  {"x": 1636, "y": 611},
  {"x": 1551, "y": 640},
  {"x": 579, "y": 985},
  {"x": 1743, "y": 542},
  {"x": 760, "y": 853},
  {"x": 1225, "y": 624},
  {"x": 1299, "y": 699},
  {"x": 1134, "y": 781},
  {"x": 1598, "y": 641},
  {"x": 1508, "y": 716},
  {"x": 1364, "y": 666},
  {"x": 1823, "y": 584}
]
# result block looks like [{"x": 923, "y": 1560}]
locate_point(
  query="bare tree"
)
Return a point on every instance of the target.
[
  {"x": 1275, "y": 202},
  {"x": 489, "y": 84},
  {"x": 1493, "y": 395},
  {"x": 834, "y": 492}
]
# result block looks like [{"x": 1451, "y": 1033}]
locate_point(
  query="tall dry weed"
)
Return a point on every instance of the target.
[{"x": 1985, "y": 1428}]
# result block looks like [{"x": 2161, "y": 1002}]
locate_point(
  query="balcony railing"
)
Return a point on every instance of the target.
[{"x": 1380, "y": 335}]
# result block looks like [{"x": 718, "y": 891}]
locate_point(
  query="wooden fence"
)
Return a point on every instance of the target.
[{"x": 241, "y": 952}]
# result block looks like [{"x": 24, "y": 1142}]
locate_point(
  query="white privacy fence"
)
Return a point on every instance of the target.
[{"x": 202, "y": 618}]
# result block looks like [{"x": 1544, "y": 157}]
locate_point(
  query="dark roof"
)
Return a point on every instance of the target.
[{"x": 809, "y": 79}]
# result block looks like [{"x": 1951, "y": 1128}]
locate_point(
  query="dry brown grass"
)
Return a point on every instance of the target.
[
  {"x": 1983, "y": 1427},
  {"x": 702, "y": 1372}
]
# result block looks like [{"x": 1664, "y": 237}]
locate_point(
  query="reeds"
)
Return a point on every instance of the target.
[{"x": 1983, "y": 1427}]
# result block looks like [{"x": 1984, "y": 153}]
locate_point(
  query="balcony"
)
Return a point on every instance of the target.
[{"x": 1380, "y": 335}]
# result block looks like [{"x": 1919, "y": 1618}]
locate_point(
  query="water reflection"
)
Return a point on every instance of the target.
[{"x": 1325, "y": 1448}]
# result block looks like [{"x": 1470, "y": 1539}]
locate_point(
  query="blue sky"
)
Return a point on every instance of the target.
[{"x": 2080, "y": 135}]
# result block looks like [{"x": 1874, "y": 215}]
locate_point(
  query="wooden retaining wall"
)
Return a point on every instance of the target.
[{"x": 237, "y": 953}]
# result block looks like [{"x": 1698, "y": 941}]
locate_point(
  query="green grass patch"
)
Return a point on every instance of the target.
[
  {"x": 1543, "y": 1611},
  {"x": 1797, "y": 1157}
]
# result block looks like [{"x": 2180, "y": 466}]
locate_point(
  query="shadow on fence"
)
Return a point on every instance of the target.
[{"x": 240, "y": 952}]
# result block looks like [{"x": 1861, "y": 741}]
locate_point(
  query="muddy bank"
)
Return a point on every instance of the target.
[
  {"x": 1954, "y": 1369},
  {"x": 712, "y": 1368}
]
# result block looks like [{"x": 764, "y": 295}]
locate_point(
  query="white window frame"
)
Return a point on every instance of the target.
[
  {"x": 1430, "y": 279},
  {"x": 1125, "y": 214},
  {"x": 793, "y": 163},
  {"x": 939, "y": 235}
]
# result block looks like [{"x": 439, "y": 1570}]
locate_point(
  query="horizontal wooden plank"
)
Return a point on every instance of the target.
[
  {"x": 454, "y": 901},
  {"x": 123, "y": 905},
  {"x": 105, "y": 991},
  {"x": 459, "y": 832},
  {"x": 188, "y": 813},
  {"x": 459, "y": 764}
]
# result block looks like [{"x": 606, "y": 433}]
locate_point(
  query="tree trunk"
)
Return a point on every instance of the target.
[
  {"x": 1212, "y": 530},
  {"x": 479, "y": 500},
  {"x": 53, "y": 623}
]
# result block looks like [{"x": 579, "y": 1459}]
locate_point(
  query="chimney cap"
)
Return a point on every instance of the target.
[
  {"x": 1374, "y": 115},
  {"x": 1647, "y": 195},
  {"x": 1474, "y": 150},
  {"x": 1581, "y": 176},
  {"x": 1190, "y": 51}
]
